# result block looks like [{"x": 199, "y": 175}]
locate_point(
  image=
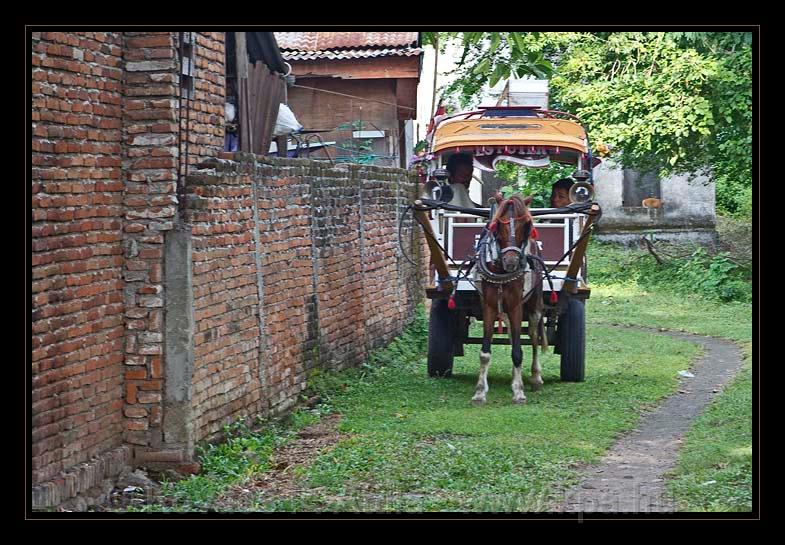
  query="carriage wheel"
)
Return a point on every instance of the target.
[
  {"x": 572, "y": 341},
  {"x": 441, "y": 334}
]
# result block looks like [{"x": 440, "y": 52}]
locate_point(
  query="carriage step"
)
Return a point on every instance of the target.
[{"x": 497, "y": 340}]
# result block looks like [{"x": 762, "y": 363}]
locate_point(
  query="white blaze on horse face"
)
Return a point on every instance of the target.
[
  {"x": 482, "y": 382},
  {"x": 517, "y": 386}
]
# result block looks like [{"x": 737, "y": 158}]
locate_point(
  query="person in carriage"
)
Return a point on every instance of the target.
[{"x": 461, "y": 166}]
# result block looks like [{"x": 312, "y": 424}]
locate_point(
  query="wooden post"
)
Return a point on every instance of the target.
[
  {"x": 571, "y": 286},
  {"x": 241, "y": 62},
  {"x": 283, "y": 145},
  {"x": 437, "y": 259}
]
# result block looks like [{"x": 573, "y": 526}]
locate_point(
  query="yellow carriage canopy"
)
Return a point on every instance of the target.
[{"x": 529, "y": 137}]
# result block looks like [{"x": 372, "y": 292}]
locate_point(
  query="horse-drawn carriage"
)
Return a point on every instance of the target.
[{"x": 508, "y": 260}]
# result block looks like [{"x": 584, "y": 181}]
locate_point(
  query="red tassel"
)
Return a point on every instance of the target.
[
  {"x": 492, "y": 227},
  {"x": 451, "y": 303},
  {"x": 554, "y": 298},
  {"x": 534, "y": 234}
]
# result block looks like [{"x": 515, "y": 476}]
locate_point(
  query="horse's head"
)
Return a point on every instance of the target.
[{"x": 512, "y": 224}]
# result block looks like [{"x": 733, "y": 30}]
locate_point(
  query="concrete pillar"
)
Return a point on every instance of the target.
[{"x": 178, "y": 425}]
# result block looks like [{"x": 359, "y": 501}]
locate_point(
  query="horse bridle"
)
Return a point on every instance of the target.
[
  {"x": 489, "y": 237},
  {"x": 514, "y": 246}
]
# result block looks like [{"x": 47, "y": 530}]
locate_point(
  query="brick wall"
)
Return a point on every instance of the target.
[
  {"x": 77, "y": 297},
  {"x": 225, "y": 298},
  {"x": 150, "y": 163},
  {"x": 317, "y": 247},
  {"x": 288, "y": 264},
  {"x": 206, "y": 115},
  {"x": 105, "y": 112},
  {"x": 157, "y": 126}
]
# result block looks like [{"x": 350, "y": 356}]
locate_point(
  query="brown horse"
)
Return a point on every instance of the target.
[{"x": 510, "y": 232}]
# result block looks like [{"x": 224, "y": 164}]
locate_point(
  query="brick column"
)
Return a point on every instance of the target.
[{"x": 150, "y": 159}]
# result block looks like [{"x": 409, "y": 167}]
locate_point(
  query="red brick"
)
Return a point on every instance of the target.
[
  {"x": 135, "y": 374},
  {"x": 130, "y": 393},
  {"x": 164, "y": 40},
  {"x": 137, "y": 425}
]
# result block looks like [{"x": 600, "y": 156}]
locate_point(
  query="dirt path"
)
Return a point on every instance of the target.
[
  {"x": 630, "y": 478},
  {"x": 281, "y": 482}
]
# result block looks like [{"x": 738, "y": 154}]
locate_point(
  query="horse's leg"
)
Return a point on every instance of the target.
[
  {"x": 515, "y": 314},
  {"x": 535, "y": 317},
  {"x": 488, "y": 319}
]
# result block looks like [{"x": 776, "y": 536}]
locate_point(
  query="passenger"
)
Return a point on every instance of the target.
[
  {"x": 460, "y": 167},
  {"x": 560, "y": 193}
]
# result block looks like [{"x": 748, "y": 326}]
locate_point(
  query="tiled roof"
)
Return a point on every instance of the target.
[
  {"x": 297, "y": 46},
  {"x": 321, "y": 41},
  {"x": 348, "y": 54}
]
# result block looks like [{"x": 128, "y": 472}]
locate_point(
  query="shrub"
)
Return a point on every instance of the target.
[{"x": 715, "y": 277}]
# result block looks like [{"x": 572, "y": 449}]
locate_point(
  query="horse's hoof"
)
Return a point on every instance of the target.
[
  {"x": 478, "y": 401},
  {"x": 519, "y": 400},
  {"x": 535, "y": 384}
]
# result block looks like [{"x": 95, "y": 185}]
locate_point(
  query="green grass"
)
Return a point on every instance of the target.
[
  {"x": 416, "y": 444},
  {"x": 714, "y": 472},
  {"x": 719, "y": 445},
  {"x": 242, "y": 454}
]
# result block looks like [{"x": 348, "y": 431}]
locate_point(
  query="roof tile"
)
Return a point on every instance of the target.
[
  {"x": 321, "y": 41},
  {"x": 348, "y": 54}
]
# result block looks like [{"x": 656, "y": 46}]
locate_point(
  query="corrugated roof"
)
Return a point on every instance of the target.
[
  {"x": 321, "y": 41},
  {"x": 348, "y": 54}
]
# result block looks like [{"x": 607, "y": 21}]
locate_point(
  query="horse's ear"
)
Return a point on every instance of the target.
[{"x": 528, "y": 200}]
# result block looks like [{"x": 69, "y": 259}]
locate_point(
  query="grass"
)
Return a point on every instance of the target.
[
  {"x": 416, "y": 444},
  {"x": 243, "y": 454},
  {"x": 714, "y": 472}
]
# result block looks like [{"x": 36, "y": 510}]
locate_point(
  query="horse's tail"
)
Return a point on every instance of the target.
[{"x": 542, "y": 335}]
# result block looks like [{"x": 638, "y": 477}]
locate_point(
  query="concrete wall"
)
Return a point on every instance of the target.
[{"x": 687, "y": 213}]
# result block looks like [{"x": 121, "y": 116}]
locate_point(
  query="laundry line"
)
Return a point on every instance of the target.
[{"x": 354, "y": 96}]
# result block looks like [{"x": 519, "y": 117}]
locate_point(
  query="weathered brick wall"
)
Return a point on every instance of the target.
[
  {"x": 77, "y": 297},
  {"x": 206, "y": 114},
  {"x": 225, "y": 298},
  {"x": 318, "y": 247},
  {"x": 150, "y": 165},
  {"x": 288, "y": 264},
  {"x": 105, "y": 110},
  {"x": 157, "y": 125}
]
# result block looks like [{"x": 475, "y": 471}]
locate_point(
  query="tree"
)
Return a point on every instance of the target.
[
  {"x": 489, "y": 57},
  {"x": 673, "y": 102}
]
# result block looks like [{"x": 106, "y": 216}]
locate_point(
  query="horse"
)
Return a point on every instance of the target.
[{"x": 504, "y": 253}]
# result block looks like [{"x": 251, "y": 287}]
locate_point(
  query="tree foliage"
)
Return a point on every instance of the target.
[
  {"x": 489, "y": 57},
  {"x": 536, "y": 182},
  {"x": 674, "y": 102}
]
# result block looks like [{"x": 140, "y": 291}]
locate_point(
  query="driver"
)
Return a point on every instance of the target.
[{"x": 460, "y": 167}]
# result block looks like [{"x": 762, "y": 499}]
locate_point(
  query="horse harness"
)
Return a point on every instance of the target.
[{"x": 489, "y": 249}]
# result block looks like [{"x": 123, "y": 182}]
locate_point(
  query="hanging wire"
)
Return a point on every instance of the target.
[{"x": 355, "y": 97}]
